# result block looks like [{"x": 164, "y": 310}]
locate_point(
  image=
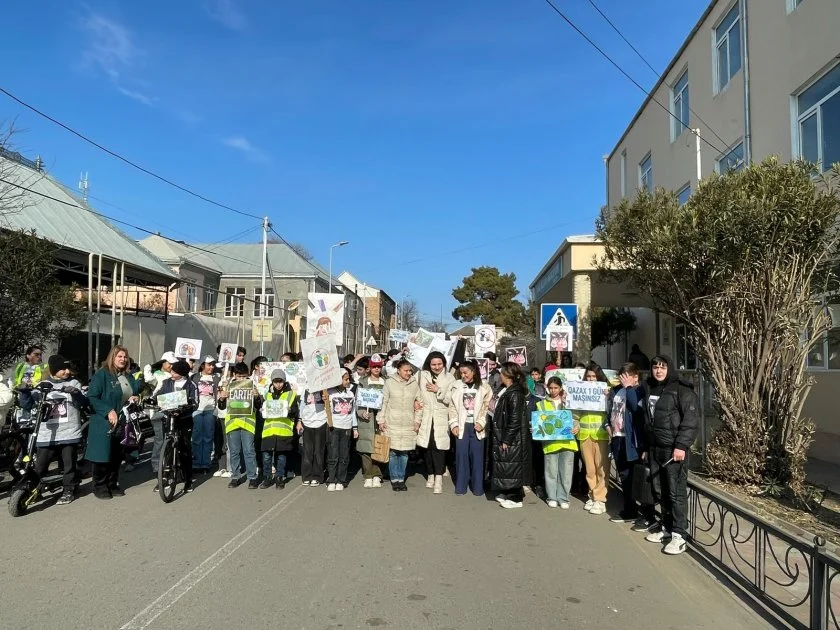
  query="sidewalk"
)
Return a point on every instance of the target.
[{"x": 823, "y": 473}]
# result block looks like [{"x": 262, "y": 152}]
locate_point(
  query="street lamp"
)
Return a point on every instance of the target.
[{"x": 332, "y": 247}]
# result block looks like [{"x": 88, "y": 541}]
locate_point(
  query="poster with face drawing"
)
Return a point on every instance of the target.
[
  {"x": 518, "y": 355},
  {"x": 325, "y": 315},
  {"x": 342, "y": 404},
  {"x": 559, "y": 339}
]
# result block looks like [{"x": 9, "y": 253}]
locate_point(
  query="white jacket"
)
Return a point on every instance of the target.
[
  {"x": 435, "y": 411},
  {"x": 458, "y": 413},
  {"x": 7, "y": 399}
]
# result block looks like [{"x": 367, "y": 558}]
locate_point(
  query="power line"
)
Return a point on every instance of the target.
[
  {"x": 125, "y": 159},
  {"x": 290, "y": 246},
  {"x": 647, "y": 63},
  {"x": 624, "y": 72}
]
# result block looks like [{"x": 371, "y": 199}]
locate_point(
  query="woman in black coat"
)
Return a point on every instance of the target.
[{"x": 512, "y": 465}]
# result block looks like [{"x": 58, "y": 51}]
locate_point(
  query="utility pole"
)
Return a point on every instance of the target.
[{"x": 266, "y": 226}]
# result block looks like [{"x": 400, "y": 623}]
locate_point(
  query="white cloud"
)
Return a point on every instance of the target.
[
  {"x": 240, "y": 143},
  {"x": 226, "y": 13},
  {"x": 138, "y": 96}
]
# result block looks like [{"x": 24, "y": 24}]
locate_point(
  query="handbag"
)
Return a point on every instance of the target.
[
  {"x": 642, "y": 484},
  {"x": 381, "y": 448}
]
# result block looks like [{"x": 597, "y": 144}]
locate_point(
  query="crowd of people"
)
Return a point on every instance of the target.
[{"x": 447, "y": 419}]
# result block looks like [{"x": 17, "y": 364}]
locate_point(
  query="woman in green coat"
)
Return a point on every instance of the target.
[{"x": 110, "y": 388}]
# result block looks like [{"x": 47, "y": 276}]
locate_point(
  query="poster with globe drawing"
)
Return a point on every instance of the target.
[
  {"x": 552, "y": 425},
  {"x": 320, "y": 362}
]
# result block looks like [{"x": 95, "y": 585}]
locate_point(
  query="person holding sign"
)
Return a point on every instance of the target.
[
  {"x": 342, "y": 401},
  {"x": 595, "y": 445},
  {"x": 313, "y": 428},
  {"x": 432, "y": 421},
  {"x": 279, "y": 412},
  {"x": 559, "y": 454},
  {"x": 512, "y": 466},
  {"x": 240, "y": 400},
  {"x": 367, "y": 424},
  {"x": 470, "y": 399},
  {"x": 397, "y": 421},
  {"x": 178, "y": 380}
]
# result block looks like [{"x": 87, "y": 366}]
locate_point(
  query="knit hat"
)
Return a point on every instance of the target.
[
  {"x": 57, "y": 362},
  {"x": 169, "y": 357},
  {"x": 376, "y": 361},
  {"x": 181, "y": 368},
  {"x": 278, "y": 375}
]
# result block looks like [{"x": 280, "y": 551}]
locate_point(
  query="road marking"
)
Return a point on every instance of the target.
[{"x": 154, "y": 610}]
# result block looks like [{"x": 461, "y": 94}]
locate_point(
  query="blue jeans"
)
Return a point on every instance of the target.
[
  {"x": 204, "y": 429},
  {"x": 559, "y": 468},
  {"x": 241, "y": 444},
  {"x": 279, "y": 463},
  {"x": 157, "y": 425},
  {"x": 397, "y": 463},
  {"x": 469, "y": 462}
]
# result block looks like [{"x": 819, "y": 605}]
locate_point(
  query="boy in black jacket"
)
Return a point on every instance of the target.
[{"x": 178, "y": 380}]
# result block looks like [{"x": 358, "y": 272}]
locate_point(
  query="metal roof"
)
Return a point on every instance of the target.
[
  {"x": 174, "y": 253},
  {"x": 72, "y": 227}
]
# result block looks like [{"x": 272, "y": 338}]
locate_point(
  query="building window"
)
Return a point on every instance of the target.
[
  {"x": 624, "y": 173},
  {"x": 683, "y": 194},
  {"x": 819, "y": 121},
  {"x": 686, "y": 358},
  {"x": 192, "y": 298},
  {"x": 209, "y": 304},
  {"x": 268, "y": 299},
  {"x": 646, "y": 173},
  {"x": 234, "y": 304},
  {"x": 679, "y": 102},
  {"x": 825, "y": 354},
  {"x": 793, "y": 4},
  {"x": 732, "y": 161},
  {"x": 728, "y": 48}
]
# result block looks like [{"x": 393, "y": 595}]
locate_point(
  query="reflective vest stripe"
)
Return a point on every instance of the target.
[
  {"x": 249, "y": 423},
  {"x": 280, "y": 427},
  {"x": 553, "y": 446}
]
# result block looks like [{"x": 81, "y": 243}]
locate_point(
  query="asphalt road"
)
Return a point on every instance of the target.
[{"x": 306, "y": 558}]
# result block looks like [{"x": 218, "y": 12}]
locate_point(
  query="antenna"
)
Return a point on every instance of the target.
[{"x": 84, "y": 184}]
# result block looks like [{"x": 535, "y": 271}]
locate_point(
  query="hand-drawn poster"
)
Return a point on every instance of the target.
[
  {"x": 424, "y": 338},
  {"x": 559, "y": 339},
  {"x": 416, "y": 355},
  {"x": 566, "y": 374},
  {"x": 485, "y": 338},
  {"x": 370, "y": 398},
  {"x": 518, "y": 355},
  {"x": 275, "y": 409},
  {"x": 188, "y": 348},
  {"x": 586, "y": 396},
  {"x": 227, "y": 353},
  {"x": 173, "y": 400},
  {"x": 325, "y": 315},
  {"x": 400, "y": 336},
  {"x": 552, "y": 425},
  {"x": 295, "y": 376},
  {"x": 483, "y": 368},
  {"x": 320, "y": 361},
  {"x": 262, "y": 375}
]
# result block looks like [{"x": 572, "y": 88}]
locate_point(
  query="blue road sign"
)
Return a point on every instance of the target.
[{"x": 558, "y": 315}]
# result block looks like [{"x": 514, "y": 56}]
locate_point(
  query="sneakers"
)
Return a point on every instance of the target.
[
  {"x": 509, "y": 505},
  {"x": 658, "y": 536},
  {"x": 676, "y": 546},
  {"x": 220, "y": 472},
  {"x": 438, "y": 485},
  {"x": 368, "y": 483},
  {"x": 66, "y": 497},
  {"x": 234, "y": 482},
  {"x": 331, "y": 487},
  {"x": 588, "y": 505},
  {"x": 622, "y": 517},
  {"x": 314, "y": 484},
  {"x": 377, "y": 482},
  {"x": 156, "y": 488},
  {"x": 501, "y": 499},
  {"x": 339, "y": 487},
  {"x": 266, "y": 483},
  {"x": 395, "y": 486},
  {"x": 281, "y": 483},
  {"x": 305, "y": 482},
  {"x": 552, "y": 503},
  {"x": 253, "y": 484},
  {"x": 643, "y": 525},
  {"x": 430, "y": 482},
  {"x": 598, "y": 508},
  {"x": 446, "y": 472},
  {"x": 564, "y": 505},
  {"x": 226, "y": 474},
  {"x": 188, "y": 487}
]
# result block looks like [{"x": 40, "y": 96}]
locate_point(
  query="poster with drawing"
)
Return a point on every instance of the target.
[
  {"x": 485, "y": 338},
  {"x": 325, "y": 315},
  {"x": 370, "y": 398},
  {"x": 320, "y": 362},
  {"x": 227, "y": 353},
  {"x": 518, "y": 355},
  {"x": 295, "y": 376},
  {"x": 188, "y": 348},
  {"x": 262, "y": 375},
  {"x": 275, "y": 409},
  {"x": 559, "y": 339},
  {"x": 447, "y": 348},
  {"x": 566, "y": 374},
  {"x": 483, "y": 367},
  {"x": 399, "y": 336},
  {"x": 416, "y": 355},
  {"x": 173, "y": 400},
  {"x": 552, "y": 425},
  {"x": 424, "y": 338},
  {"x": 240, "y": 398},
  {"x": 586, "y": 395}
]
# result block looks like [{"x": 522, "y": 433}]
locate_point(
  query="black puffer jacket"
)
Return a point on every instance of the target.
[
  {"x": 674, "y": 420},
  {"x": 512, "y": 426}
]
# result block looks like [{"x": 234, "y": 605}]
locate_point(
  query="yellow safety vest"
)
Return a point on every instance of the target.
[
  {"x": 20, "y": 370},
  {"x": 281, "y": 427},
  {"x": 236, "y": 403},
  {"x": 592, "y": 427},
  {"x": 553, "y": 446}
]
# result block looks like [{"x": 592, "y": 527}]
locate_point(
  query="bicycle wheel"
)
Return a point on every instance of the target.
[
  {"x": 168, "y": 469},
  {"x": 11, "y": 447}
]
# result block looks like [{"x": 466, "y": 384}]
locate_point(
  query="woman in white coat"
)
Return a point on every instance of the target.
[
  {"x": 396, "y": 420},
  {"x": 470, "y": 399},
  {"x": 432, "y": 421}
]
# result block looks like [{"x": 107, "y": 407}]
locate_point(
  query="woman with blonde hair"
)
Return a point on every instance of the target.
[{"x": 110, "y": 388}]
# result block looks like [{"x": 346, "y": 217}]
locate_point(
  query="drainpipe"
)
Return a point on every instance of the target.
[{"x": 746, "y": 54}]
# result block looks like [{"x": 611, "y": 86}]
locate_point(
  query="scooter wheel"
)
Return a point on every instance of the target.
[{"x": 17, "y": 501}]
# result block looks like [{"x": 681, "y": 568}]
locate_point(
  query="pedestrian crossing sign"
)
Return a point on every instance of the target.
[{"x": 558, "y": 315}]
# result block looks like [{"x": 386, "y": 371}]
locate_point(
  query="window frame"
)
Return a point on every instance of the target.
[
  {"x": 719, "y": 84},
  {"x": 678, "y": 126},
  {"x": 678, "y": 338},
  {"x": 813, "y": 110},
  {"x": 729, "y": 152},
  {"x": 686, "y": 187},
  {"x": 642, "y": 171},
  {"x": 271, "y": 302},
  {"x": 208, "y": 305},
  {"x": 232, "y": 296},
  {"x": 192, "y": 296}
]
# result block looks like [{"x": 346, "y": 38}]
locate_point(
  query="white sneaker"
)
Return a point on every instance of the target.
[
  {"x": 377, "y": 482},
  {"x": 658, "y": 537},
  {"x": 219, "y": 472},
  {"x": 339, "y": 487},
  {"x": 552, "y": 504},
  {"x": 430, "y": 482},
  {"x": 446, "y": 472},
  {"x": 676, "y": 546},
  {"x": 331, "y": 487},
  {"x": 438, "y": 485},
  {"x": 368, "y": 483},
  {"x": 509, "y": 505},
  {"x": 305, "y": 482},
  {"x": 227, "y": 474},
  {"x": 564, "y": 505},
  {"x": 314, "y": 484},
  {"x": 598, "y": 508},
  {"x": 588, "y": 505},
  {"x": 500, "y": 499}
]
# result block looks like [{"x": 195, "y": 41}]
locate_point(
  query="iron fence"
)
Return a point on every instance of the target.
[{"x": 795, "y": 579}]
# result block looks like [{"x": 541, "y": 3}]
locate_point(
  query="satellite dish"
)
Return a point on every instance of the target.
[{"x": 293, "y": 306}]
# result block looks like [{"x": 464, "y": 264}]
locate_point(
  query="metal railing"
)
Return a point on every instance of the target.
[{"x": 794, "y": 579}]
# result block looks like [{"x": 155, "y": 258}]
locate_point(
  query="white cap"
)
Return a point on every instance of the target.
[
  {"x": 169, "y": 357},
  {"x": 209, "y": 359}
]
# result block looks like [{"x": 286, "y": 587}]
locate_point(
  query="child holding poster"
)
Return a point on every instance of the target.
[
  {"x": 559, "y": 454},
  {"x": 367, "y": 424},
  {"x": 595, "y": 446},
  {"x": 342, "y": 402}
]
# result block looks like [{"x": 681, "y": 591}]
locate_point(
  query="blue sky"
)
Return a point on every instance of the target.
[{"x": 411, "y": 129}]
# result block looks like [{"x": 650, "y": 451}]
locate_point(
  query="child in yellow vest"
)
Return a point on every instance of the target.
[
  {"x": 595, "y": 446},
  {"x": 559, "y": 454}
]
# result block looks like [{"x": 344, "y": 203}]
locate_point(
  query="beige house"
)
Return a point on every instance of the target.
[
  {"x": 379, "y": 312},
  {"x": 754, "y": 78}
]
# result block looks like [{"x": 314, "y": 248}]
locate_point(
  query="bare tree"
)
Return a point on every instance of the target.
[
  {"x": 299, "y": 248},
  {"x": 13, "y": 183},
  {"x": 409, "y": 315}
]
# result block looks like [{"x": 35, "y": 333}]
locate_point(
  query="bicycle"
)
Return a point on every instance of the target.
[{"x": 169, "y": 468}]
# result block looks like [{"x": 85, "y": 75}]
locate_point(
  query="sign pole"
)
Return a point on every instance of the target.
[{"x": 262, "y": 293}]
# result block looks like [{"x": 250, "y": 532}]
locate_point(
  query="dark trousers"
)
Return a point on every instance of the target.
[
  {"x": 625, "y": 476},
  {"x": 670, "y": 489},
  {"x": 469, "y": 462},
  {"x": 515, "y": 494},
  {"x": 312, "y": 458},
  {"x": 107, "y": 474},
  {"x": 338, "y": 455},
  {"x": 68, "y": 453},
  {"x": 185, "y": 452},
  {"x": 435, "y": 458},
  {"x": 538, "y": 463}
]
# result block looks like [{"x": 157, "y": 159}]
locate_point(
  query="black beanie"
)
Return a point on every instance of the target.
[
  {"x": 181, "y": 368},
  {"x": 57, "y": 362}
]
